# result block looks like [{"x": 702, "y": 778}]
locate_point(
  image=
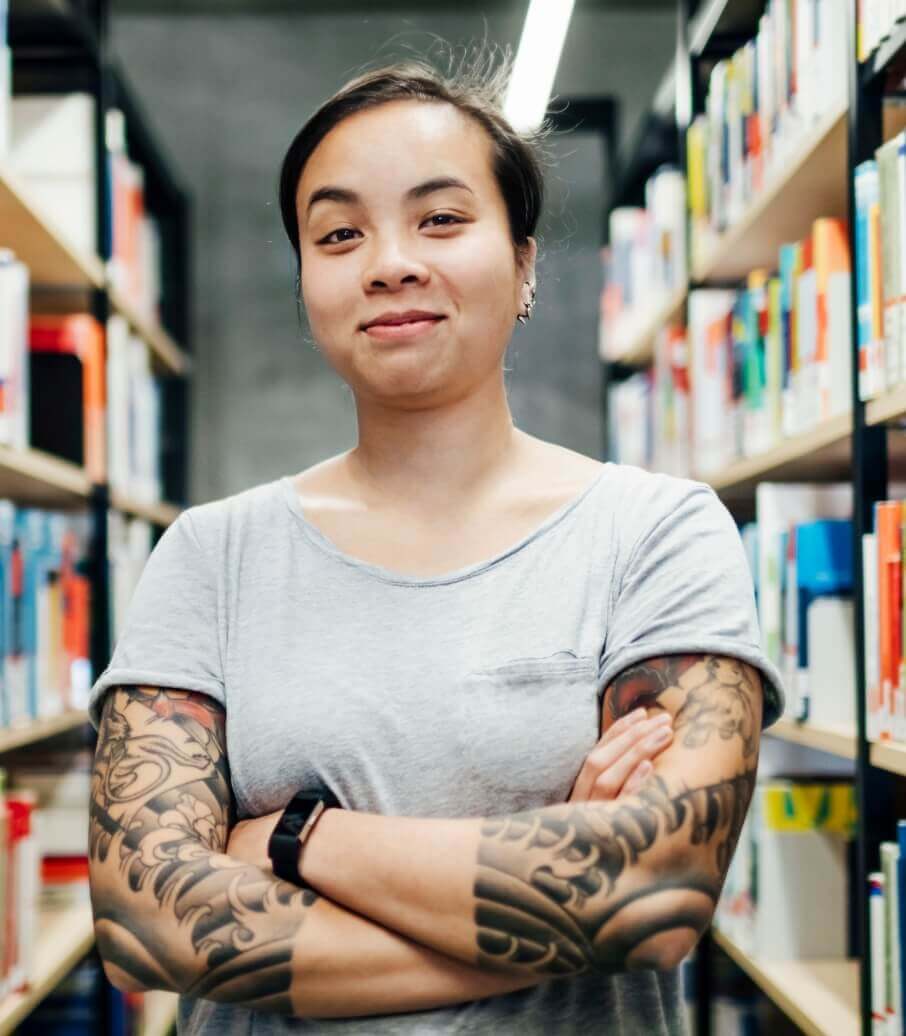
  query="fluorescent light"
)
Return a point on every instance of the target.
[{"x": 536, "y": 62}]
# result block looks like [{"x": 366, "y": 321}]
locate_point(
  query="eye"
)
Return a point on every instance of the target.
[
  {"x": 340, "y": 230},
  {"x": 446, "y": 216}
]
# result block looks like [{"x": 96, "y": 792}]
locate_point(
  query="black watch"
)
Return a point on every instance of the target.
[{"x": 293, "y": 828}]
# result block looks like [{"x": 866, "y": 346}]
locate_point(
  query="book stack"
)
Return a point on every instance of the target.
[
  {"x": 759, "y": 103},
  {"x": 772, "y": 360},
  {"x": 68, "y": 410},
  {"x": 135, "y": 264},
  {"x": 883, "y": 556},
  {"x": 129, "y": 545},
  {"x": 644, "y": 262},
  {"x": 45, "y": 598},
  {"x": 134, "y": 402},
  {"x": 803, "y": 576},
  {"x": 880, "y": 263},
  {"x": 790, "y": 863},
  {"x": 876, "y": 20},
  {"x": 52, "y": 151},
  {"x": 887, "y": 911},
  {"x": 649, "y": 413}
]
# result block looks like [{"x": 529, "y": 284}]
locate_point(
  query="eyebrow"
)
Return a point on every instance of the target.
[{"x": 343, "y": 194}]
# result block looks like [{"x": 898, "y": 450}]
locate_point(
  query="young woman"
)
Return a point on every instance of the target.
[{"x": 530, "y": 681}]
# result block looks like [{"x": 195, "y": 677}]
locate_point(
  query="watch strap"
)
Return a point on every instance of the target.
[{"x": 292, "y": 829}]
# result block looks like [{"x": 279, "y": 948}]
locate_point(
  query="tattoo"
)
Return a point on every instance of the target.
[
  {"x": 554, "y": 889},
  {"x": 711, "y": 694},
  {"x": 160, "y": 814}
]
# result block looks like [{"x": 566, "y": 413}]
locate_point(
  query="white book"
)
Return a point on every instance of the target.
[
  {"x": 831, "y": 663},
  {"x": 877, "y": 916},
  {"x": 839, "y": 342},
  {"x": 890, "y": 853}
]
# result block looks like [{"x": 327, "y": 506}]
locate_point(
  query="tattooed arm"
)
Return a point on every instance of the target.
[
  {"x": 609, "y": 886},
  {"x": 173, "y": 911}
]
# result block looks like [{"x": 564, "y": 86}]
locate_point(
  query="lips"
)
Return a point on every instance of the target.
[{"x": 409, "y": 317}]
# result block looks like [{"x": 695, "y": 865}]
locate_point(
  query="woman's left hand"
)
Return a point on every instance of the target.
[{"x": 248, "y": 840}]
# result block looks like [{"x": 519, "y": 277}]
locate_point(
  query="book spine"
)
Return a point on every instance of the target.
[{"x": 876, "y": 914}]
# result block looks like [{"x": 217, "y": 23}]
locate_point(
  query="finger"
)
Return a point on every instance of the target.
[
  {"x": 603, "y": 756},
  {"x": 638, "y": 777},
  {"x": 610, "y": 782},
  {"x": 624, "y": 723}
]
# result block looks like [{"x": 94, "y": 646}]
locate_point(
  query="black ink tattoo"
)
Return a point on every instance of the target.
[
  {"x": 160, "y": 815},
  {"x": 555, "y": 892},
  {"x": 713, "y": 694}
]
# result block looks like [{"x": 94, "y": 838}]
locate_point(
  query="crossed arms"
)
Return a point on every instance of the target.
[{"x": 437, "y": 911}]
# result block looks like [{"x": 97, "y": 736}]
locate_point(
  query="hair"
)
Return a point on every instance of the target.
[{"x": 476, "y": 88}]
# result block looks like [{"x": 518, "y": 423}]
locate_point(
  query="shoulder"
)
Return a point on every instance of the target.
[
  {"x": 215, "y": 523},
  {"x": 644, "y": 499}
]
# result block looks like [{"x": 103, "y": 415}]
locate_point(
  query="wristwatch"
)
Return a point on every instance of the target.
[{"x": 293, "y": 828}]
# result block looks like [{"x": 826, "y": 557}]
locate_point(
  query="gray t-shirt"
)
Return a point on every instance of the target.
[{"x": 476, "y": 693}]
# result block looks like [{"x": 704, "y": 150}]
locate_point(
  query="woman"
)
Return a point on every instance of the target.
[{"x": 474, "y": 639}]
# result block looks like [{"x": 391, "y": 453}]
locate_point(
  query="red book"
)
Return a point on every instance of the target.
[{"x": 887, "y": 528}]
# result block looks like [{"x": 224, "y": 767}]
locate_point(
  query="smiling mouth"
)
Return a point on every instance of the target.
[{"x": 406, "y": 329}]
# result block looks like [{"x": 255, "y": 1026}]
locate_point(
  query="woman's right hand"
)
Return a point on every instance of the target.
[{"x": 621, "y": 761}]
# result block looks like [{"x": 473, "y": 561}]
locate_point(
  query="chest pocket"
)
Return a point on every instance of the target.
[{"x": 525, "y": 727}]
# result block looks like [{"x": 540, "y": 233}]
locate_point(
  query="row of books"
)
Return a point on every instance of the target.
[
  {"x": 48, "y": 142},
  {"x": 887, "y": 920},
  {"x": 57, "y": 393},
  {"x": 644, "y": 260},
  {"x": 129, "y": 545},
  {"x": 754, "y": 366},
  {"x": 880, "y": 263},
  {"x": 876, "y": 20},
  {"x": 758, "y": 104},
  {"x": 791, "y": 861}
]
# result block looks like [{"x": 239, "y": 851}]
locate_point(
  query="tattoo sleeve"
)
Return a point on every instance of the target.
[
  {"x": 633, "y": 882},
  {"x": 171, "y": 910}
]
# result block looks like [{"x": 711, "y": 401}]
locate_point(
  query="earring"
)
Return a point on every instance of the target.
[{"x": 529, "y": 306}]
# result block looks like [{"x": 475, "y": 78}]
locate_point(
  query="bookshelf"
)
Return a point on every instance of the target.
[
  {"x": 862, "y": 447},
  {"x": 64, "y": 937},
  {"x": 820, "y": 996},
  {"x": 833, "y": 740},
  {"x": 59, "y": 47}
]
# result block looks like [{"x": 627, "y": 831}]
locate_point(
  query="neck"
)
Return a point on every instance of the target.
[{"x": 431, "y": 459}]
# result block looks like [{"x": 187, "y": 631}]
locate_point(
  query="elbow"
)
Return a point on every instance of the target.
[
  {"x": 125, "y": 956},
  {"x": 659, "y": 928}
]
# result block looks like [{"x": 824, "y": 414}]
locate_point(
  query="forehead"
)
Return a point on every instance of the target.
[{"x": 397, "y": 144}]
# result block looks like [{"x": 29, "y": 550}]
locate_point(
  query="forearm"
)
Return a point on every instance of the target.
[
  {"x": 564, "y": 889},
  {"x": 302, "y": 955}
]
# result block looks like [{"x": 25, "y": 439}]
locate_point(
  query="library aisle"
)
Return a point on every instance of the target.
[{"x": 749, "y": 334}]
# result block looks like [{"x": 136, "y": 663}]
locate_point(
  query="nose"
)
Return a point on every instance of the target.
[{"x": 391, "y": 264}]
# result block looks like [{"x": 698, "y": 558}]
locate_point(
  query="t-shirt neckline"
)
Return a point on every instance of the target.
[{"x": 387, "y": 575}]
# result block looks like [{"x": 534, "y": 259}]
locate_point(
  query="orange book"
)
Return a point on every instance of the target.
[
  {"x": 81, "y": 334},
  {"x": 831, "y": 254},
  {"x": 887, "y": 528}
]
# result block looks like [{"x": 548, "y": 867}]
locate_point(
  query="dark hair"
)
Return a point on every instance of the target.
[{"x": 476, "y": 89}]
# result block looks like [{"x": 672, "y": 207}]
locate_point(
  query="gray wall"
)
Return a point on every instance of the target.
[{"x": 226, "y": 95}]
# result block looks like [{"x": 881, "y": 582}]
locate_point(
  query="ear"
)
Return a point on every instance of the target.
[{"x": 528, "y": 255}]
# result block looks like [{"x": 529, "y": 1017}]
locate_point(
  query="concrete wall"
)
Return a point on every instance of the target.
[{"x": 226, "y": 95}]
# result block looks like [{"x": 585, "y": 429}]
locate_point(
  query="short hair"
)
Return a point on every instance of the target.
[{"x": 476, "y": 88}]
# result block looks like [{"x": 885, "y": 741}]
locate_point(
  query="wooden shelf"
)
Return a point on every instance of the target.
[
  {"x": 64, "y": 937},
  {"x": 822, "y": 454},
  {"x": 38, "y": 244},
  {"x": 160, "y": 1012},
  {"x": 158, "y": 514},
  {"x": 887, "y": 407},
  {"x": 820, "y": 996},
  {"x": 826, "y": 739},
  {"x": 41, "y": 729},
  {"x": 40, "y": 479},
  {"x": 888, "y": 755},
  {"x": 810, "y": 183},
  {"x": 638, "y": 349},
  {"x": 170, "y": 358}
]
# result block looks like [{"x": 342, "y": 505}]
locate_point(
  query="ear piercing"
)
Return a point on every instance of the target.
[{"x": 529, "y": 306}]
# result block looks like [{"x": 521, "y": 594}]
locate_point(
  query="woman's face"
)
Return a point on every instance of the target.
[{"x": 378, "y": 235}]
